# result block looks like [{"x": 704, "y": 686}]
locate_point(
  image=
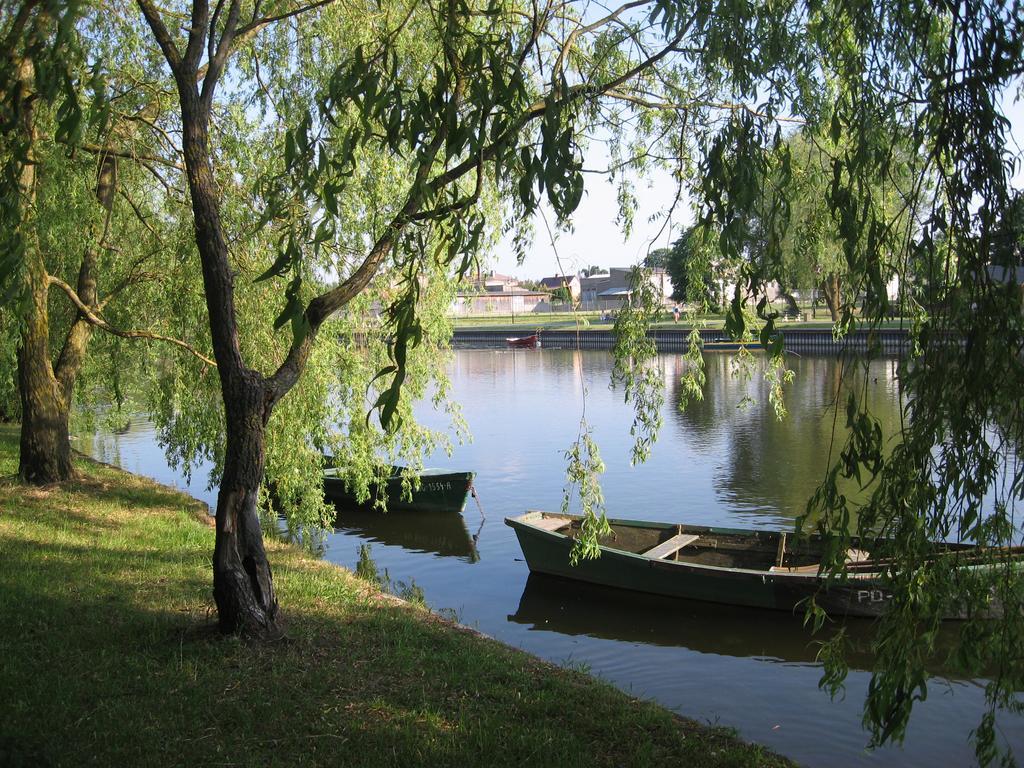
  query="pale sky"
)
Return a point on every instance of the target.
[{"x": 597, "y": 238}]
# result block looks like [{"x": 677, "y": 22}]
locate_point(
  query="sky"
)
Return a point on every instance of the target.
[{"x": 597, "y": 238}]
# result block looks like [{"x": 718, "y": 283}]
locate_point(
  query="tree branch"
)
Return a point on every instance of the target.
[
  {"x": 97, "y": 149},
  {"x": 571, "y": 39},
  {"x": 197, "y": 35},
  {"x": 163, "y": 37},
  {"x": 255, "y": 26},
  {"x": 140, "y": 215},
  {"x": 324, "y": 305},
  {"x": 216, "y": 63},
  {"x": 134, "y": 334}
]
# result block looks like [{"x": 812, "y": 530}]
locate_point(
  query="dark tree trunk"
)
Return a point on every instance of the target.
[
  {"x": 243, "y": 586},
  {"x": 792, "y": 308},
  {"x": 830, "y": 287}
]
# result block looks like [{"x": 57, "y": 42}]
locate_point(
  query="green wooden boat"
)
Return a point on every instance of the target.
[
  {"x": 440, "y": 490},
  {"x": 759, "y": 569}
]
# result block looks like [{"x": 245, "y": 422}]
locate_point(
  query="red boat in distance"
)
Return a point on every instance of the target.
[{"x": 529, "y": 342}]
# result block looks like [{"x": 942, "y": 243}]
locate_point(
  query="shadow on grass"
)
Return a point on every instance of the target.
[
  {"x": 107, "y": 669},
  {"x": 108, "y": 656}
]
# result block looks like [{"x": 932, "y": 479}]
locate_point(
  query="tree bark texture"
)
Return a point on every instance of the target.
[
  {"x": 46, "y": 392},
  {"x": 243, "y": 585},
  {"x": 45, "y": 455}
]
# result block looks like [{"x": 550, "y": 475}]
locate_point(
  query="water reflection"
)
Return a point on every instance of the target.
[
  {"x": 440, "y": 533},
  {"x": 769, "y": 464},
  {"x": 573, "y": 608}
]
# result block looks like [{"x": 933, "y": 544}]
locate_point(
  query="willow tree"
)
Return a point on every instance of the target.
[
  {"x": 877, "y": 78},
  {"x": 500, "y": 110},
  {"x": 92, "y": 213},
  {"x": 38, "y": 45}
]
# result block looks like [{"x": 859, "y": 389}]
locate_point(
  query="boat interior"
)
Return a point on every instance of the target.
[
  {"x": 754, "y": 550},
  {"x": 770, "y": 551}
]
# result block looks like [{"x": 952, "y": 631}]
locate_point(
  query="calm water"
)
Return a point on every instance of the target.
[{"x": 714, "y": 464}]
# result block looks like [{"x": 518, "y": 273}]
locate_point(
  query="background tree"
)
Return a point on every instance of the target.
[
  {"x": 691, "y": 265},
  {"x": 657, "y": 259},
  {"x": 90, "y": 232},
  {"x": 561, "y": 293}
]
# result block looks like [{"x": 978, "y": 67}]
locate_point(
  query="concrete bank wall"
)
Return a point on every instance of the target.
[{"x": 891, "y": 341}]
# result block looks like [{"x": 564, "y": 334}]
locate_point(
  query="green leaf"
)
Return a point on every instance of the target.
[{"x": 279, "y": 267}]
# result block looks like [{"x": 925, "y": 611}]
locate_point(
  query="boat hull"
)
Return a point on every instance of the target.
[
  {"x": 548, "y": 552},
  {"x": 524, "y": 342},
  {"x": 441, "y": 492}
]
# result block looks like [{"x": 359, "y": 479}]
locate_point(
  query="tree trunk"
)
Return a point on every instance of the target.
[
  {"x": 243, "y": 585},
  {"x": 45, "y": 392},
  {"x": 830, "y": 287},
  {"x": 45, "y": 455},
  {"x": 792, "y": 308},
  {"x": 45, "y": 445}
]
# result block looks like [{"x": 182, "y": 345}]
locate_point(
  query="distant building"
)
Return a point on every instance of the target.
[
  {"x": 493, "y": 283},
  {"x": 1005, "y": 275},
  {"x": 613, "y": 290},
  {"x": 571, "y": 282},
  {"x": 512, "y": 301}
]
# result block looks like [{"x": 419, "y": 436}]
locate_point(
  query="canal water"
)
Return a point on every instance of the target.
[{"x": 726, "y": 460}]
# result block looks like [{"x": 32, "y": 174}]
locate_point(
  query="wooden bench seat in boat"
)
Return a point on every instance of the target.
[
  {"x": 551, "y": 523},
  {"x": 797, "y": 569},
  {"x": 671, "y": 546},
  {"x": 852, "y": 556}
]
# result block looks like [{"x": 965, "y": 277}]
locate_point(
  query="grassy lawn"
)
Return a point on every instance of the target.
[{"x": 109, "y": 656}]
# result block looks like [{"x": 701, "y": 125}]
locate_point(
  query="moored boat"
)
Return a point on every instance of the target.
[
  {"x": 438, "y": 490},
  {"x": 524, "y": 341},
  {"x": 761, "y": 569}
]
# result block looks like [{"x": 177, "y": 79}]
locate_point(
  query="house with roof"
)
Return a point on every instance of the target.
[
  {"x": 570, "y": 282},
  {"x": 493, "y": 283},
  {"x": 512, "y": 301},
  {"x": 614, "y": 289}
]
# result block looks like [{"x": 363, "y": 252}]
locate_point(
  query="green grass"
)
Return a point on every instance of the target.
[{"x": 109, "y": 656}]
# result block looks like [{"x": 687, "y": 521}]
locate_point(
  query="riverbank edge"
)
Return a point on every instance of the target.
[
  {"x": 795, "y": 338},
  {"x": 111, "y": 656}
]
